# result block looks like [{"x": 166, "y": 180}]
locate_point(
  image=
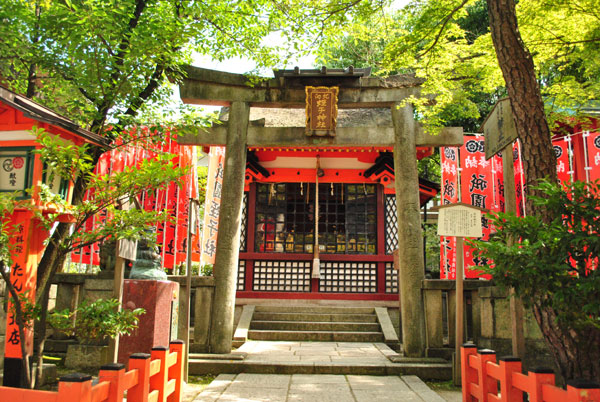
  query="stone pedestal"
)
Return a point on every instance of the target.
[{"x": 159, "y": 325}]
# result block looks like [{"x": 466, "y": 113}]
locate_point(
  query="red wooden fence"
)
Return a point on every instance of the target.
[
  {"x": 482, "y": 378},
  {"x": 155, "y": 377}
]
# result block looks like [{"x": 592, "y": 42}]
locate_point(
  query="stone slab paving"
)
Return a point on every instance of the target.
[
  {"x": 317, "y": 352},
  {"x": 247, "y": 387}
]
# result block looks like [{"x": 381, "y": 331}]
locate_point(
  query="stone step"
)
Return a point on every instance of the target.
[
  {"x": 321, "y": 336},
  {"x": 318, "y": 317},
  {"x": 314, "y": 326},
  {"x": 315, "y": 309},
  {"x": 424, "y": 370}
]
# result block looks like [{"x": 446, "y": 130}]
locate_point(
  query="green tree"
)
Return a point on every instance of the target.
[
  {"x": 102, "y": 63},
  {"x": 543, "y": 54}
]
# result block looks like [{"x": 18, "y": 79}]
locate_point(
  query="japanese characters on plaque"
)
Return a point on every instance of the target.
[
  {"x": 14, "y": 170},
  {"x": 459, "y": 220},
  {"x": 499, "y": 128},
  {"x": 321, "y": 110}
]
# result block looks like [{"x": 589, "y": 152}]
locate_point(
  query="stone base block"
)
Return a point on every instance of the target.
[{"x": 87, "y": 356}]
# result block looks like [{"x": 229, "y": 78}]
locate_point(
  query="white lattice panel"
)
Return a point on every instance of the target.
[
  {"x": 281, "y": 276},
  {"x": 391, "y": 278},
  {"x": 241, "y": 277},
  {"x": 348, "y": 277},
  {"x": 391, "y": 224}
]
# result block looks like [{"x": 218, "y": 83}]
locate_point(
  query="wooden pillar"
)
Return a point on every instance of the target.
[
  {"x": 228, "y": 239},
  {"x": 516, "y": 306},
  {"x": 410, "y": 237}
]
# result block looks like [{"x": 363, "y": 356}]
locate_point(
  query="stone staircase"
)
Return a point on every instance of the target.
[
  {"x": 315, "y": 324},
  {"x": 287, "y": 339}
]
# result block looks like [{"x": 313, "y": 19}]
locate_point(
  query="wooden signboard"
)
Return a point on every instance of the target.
[
  {"x": 499, "y": 128},
  {"x": 460, "y": 220},
  {"x": 321, "y": 110}
]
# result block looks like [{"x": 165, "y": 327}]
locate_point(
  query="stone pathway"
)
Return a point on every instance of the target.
[
  {"x": 321, "y": 352},
  {"x": 316, "y": 388}
]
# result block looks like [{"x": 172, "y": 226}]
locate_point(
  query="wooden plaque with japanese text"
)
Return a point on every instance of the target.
[{"x": 321, "y": 110}]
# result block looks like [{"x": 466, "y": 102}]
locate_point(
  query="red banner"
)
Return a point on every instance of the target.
[
  {"x": 563, "y": 164},
  {"x": 593, "y": 155},
  {"x": 174, "y": 198},
  {"x": 519, "y": 178},
  {"x": 477, "y": 189},
  {"x": 449, "y": 164}
]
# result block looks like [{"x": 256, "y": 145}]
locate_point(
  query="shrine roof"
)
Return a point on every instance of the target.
[{"x": 43, "y": 114}]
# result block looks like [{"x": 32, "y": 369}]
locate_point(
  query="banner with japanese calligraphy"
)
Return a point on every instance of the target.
[
  {"x": 212, "y": 208},
  {"x": 593, "y": 155},
  {"x": 449, "y": 165},
  {"x": 563, "y": 165},
  {"x": 477, "y": 189},
  {"x": 171, "y": 233},
  {"x": 23, "y": 278},
  {"x": 498, "y": 203},
  {"x": 519, "y": 178}
]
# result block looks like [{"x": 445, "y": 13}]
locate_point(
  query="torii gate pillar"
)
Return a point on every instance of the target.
[
  {"x": 410, "y": 238},
  {"x": 228, "y": 238}
]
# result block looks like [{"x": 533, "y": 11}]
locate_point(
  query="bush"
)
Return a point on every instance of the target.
[
  {"x": 553, "y": 267},
  {"x": 96, "y": 321}
]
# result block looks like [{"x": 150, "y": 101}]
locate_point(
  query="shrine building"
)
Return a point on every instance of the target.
[{"x": 357, "y": 221}]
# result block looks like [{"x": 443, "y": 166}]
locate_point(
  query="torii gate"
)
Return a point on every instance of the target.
[{"x": 287, "y": 90}]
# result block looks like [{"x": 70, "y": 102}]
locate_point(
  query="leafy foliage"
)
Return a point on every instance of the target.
[
  {"x": 96, "y": 320},
  {"x": 97, "y": 61},
  {"x": 552, "y": 265},
  {"x": 448, "y": 42}
]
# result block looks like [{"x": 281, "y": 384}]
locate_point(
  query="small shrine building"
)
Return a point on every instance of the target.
[{"x": 307, "y": 209}]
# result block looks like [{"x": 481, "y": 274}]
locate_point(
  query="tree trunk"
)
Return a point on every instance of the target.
[
  {"x": 576, "y": 352},
  {"x": 518, "y": 70},
  {"x": 40, "y": 336}
]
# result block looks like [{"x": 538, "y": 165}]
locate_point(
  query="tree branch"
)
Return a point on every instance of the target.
[{"x": 444, "y": 22}]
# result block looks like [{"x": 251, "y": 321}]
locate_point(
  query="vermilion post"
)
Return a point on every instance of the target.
[
  {"x": 176, "y": 370},
  {"x": 583, "y": 391},
  {"x": 537, "y": 378},
  {"x": 139, "y": 392},
  {"x": 468, "y": 373},
  {"x": 159, "y": 380},
  {"x": 508, "y": 366},
  {"x": 75, "y": 387},
  {"x": 488, "y": 384},
  {"x": 113, "y": 373}
]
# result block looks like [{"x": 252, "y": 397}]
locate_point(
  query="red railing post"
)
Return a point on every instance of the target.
[
  {"x": 488, "y": 384},
  {"x": 141, "y": 363},
  {"x": 75, "y": 387},
  {"x": 468, "y": 373},
  {"x": 508, "y": 366},
  {"x": 176, "y": 370},
  {"x": 583, "y": 391},
  {"x": 536, "y": 379},
  {"x": 159, "y": 380},
  {"x": 113, "y": 373}
]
